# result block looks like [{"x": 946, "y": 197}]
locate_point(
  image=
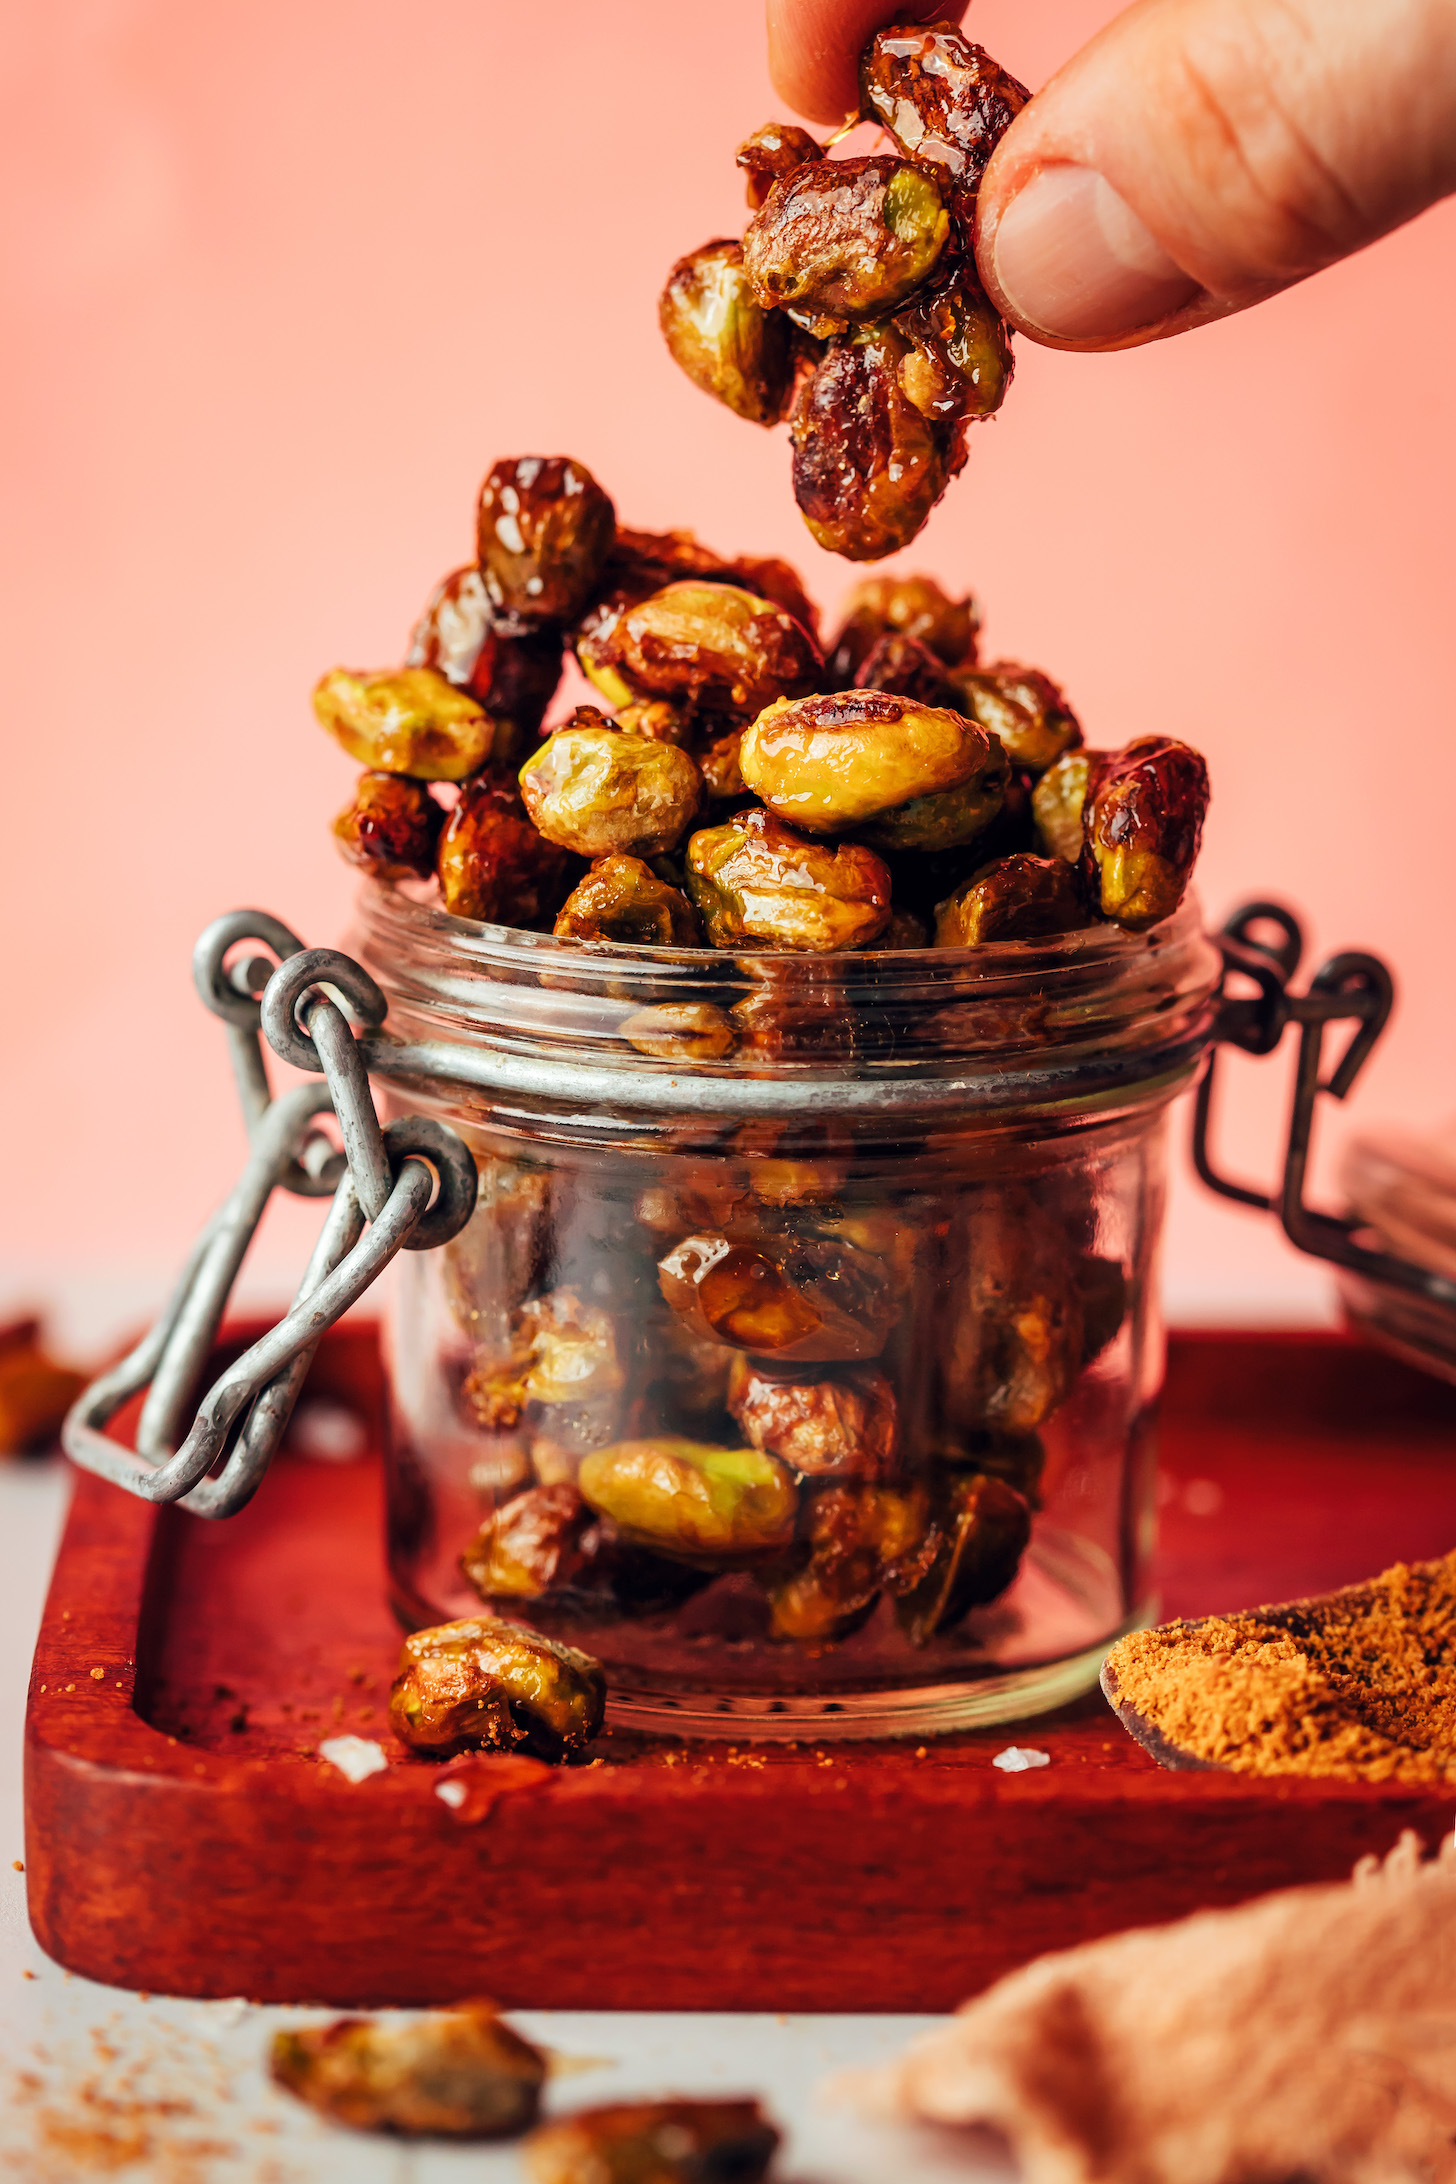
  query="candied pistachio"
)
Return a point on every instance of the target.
[
  {"x": 1013, "y": 1346},
  {"x": 1141, "y": 826},
  {"x": 461, "y": 2073},
  {"x": 719, "y": 332},
  {"x": 905, "y": 930},
  {"x": 1025, "y": 709},
  {"x": 513, "y": 675},
  {"x": 799, "y": 1006},
  {"x": 907, "y": 774},
  {"x": 544, "y": 529},
  {"x": 655, "y": 718},
  {"x": 983, "y": 1526},
  {"x": 1017, "y": 898},
  {"x": 906, "y": 606},
  {"x": 907, "y": 669},
  {"x": 717, "y": 646},
  {"x": 757, "y": 882},
  {"x": 771, "y": 155},
  {"x": 487, "y": 1684},
  {"x": 843, "y": 241},
  {"x": 691, "y": 1194},
  {"x": 689, "y": 1380},
  {"x": 779, "y": 581},
  {"x": 868, "y": 466},
  {"x": 405, "y": 720},
  {"x": 654, "y": 2142},
  {"x": 862, "y": 1540},
  {"x": 692, "y": 1500},
  {"x": 796, "y": 1298},
  {"x": 530, "y": 1545},
  {"x": 680, "y": 1031},
  {"x": 622, "y": 900},
  {"x": 1017, "y": 1459},
  {"x": 562, "y": 1351},
  {"x": 493, "y": 864},
  {"x": 455, "y": 629},
  {"x": 944, "y": 102},
  {"x": 959, "y": 362},
  {"x": 1058, "y": 799},
  {"x": 600, "y": 790},
  {"x": 499, "y": 1255},
  {"x": 391, "y": 827},
  {"x": 720, "y": 770},
  {"x": 842, "y": 1426}
]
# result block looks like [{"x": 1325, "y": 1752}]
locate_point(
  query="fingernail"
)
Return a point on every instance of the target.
[{"x": 1074, "y": 260}]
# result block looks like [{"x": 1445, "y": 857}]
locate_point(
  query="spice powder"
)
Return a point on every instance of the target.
[{"x": 1358, "y": 1684}]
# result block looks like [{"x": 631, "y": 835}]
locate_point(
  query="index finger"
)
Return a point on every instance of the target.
[{"x": 814, "y": 47}]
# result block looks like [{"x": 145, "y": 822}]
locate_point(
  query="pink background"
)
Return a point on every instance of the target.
[{"x": 281, "y": 280}]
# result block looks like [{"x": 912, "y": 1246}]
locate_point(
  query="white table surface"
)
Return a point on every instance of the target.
[{"x": 96, "y": 2082}]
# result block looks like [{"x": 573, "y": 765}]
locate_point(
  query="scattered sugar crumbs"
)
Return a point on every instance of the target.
[{"x": 1359, "y": 1685}]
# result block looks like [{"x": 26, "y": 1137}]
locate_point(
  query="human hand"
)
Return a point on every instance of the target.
[{"x": 1193, "y": 158}]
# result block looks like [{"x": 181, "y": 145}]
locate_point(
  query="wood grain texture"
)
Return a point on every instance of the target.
[{"x": 183, "y": 1837}]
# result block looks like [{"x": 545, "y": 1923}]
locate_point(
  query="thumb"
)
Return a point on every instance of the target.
[{"x": 1199, "y": 155}]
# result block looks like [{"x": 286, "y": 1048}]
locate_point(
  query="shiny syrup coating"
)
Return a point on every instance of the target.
[
  {"x": 544, "y": 529},
  {"x": 622, "y": 900},
  {"x": 1025, "y": 709},
  {"x": 943, "y": 101},
  {"x": 1017, "y": 898},
  {"x": 720, "y": 333},
  {"x": 603, "y": 791},
  {"x": 907, "y": 606},
  {"x": 757, "y": 883},
  {"x": 860, "y": 758},
  {"x": 771, "y": 155},
  {"x": 868, "y": 466},
  {"x": 512, "y": 674},
  {"x": 715, "y": 646},
  {"x": 983, "y": 1526},
  {"x": 483, "y": 1683},
  {"x": 960, "y": 362},
  {"x": 861, "y": 1541},
  {"x": 406, "y": 720},
  {"x": 843, "y": 1425},
  {"x": 792, "y": 1298},
  {"x": 845, "y": 241},
  {"x": 462, "y": 2073},
  {"x": 492, "y": 862},
  {"x": 390, "y": 828},
  {"x": 1142, "y": 825},
  {"x": 907, "y": 669},
  {"x": 693, "y": 1500}
]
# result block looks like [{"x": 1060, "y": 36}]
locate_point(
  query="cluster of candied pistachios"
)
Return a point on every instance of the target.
[
  {"x": 737, "y": 787},
  {"x": 852, "y": 306}
]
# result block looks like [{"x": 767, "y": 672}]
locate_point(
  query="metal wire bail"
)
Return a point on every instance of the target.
[{"x": 409, "y": 1186}]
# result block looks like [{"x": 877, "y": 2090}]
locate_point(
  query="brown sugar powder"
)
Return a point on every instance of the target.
[{"x": 1359, "y": 1685}]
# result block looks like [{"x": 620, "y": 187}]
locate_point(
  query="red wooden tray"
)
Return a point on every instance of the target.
[{"x": 182, "y": 1837}]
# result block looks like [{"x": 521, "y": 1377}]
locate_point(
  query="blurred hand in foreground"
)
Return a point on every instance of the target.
[{"x": 1195, "y": 157}]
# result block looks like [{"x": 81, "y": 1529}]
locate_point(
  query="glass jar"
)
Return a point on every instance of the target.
[{"x": 801, "y": 1357}]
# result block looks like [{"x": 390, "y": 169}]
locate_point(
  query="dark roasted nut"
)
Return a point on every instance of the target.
[
  {"x": 622, "y": 900},
  {"x": 688, "y": 1378},
  {"x": 1016, "y": 1459},
  {"x": 598, "y": 791},
  {"x": 779, "y": 581},
  {"x": 758, "y": 883},
  {"x": 461, "y": 2073},
  {"x": 1141, "y": 826},
  {"x": 719, "y": 768},
  {"x": 1012, "y": 1347},
  {"x": 693, "y": 1501},
  {"x": 655, "y": 2142},
  {"x": 868, "y": 465},
  {"x": 909, "y": 776},
  {"x": 513, "y": 676},
  {"x": 1025, "y": 709},
  {"x": 908, "y": 669},
  {"x": 692, "y": 1194},
  {"x": 798, "y": 1006},
  {"x": 905, "y": 930},
  {"x": 391, "y": 828},
  {"x": 796, "y": 1299},
  {"x": 652, "y": 717},
  {"x": 529, "y": 1545},
  {"x": 844, "y": 241},
  {"x": 1017, "y": 898},
  {"x": 959, "y": 363},
  {"x": 562, "y": 1352},
  {"x": 984, "y": 1526},
  {"x": 544, "y": 530},
  {"x": 1057, "y": 801},
  {"x": 771, "y": 155},
  {"x": 908, "y": 606},
  {"x": 944, "y": 102},
  {"x": 493, "y": 864},
  {"x": 486, "y": 1684},
  {"x": 844, "y": 1426},
  {"x": 715, "y": 646},
  {"x": 862, "y": 1540},
  {"x": 719, "y": 332},
  {"x": 680, "y": 1031},
  {"x": 406, "y": 720}
]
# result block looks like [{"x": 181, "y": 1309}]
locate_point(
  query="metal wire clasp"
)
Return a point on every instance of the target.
[
  {"x": 411, "y": 1185},
  {"x": 1263, "y": 943}
]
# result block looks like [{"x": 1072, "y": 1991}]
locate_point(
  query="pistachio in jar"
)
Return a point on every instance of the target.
[
  {"x": 839, "y": 1425},
  {"x": 390, "y": 827},
  {"x": 1010, "y": 1346},
  {"x": 1023, "y": 708},
  {"x": 1016, "y": 898},
  {"x": 693, "y": 1500},
  {"x": 622, "y": 900},
  {"x": 485, "y": 1684},
  {"x": 902, "y": 606},
  {"x": 680, "y": 1031},
  {"x": 796, "y": 1298},
  {"x": 493, "y": 864},
  {"x": 513, "y": 674},
  {"x": 716, "y": 646},
  {"x": 1058, "y": 799},
  {"x": 544, "y": 529},
  {"x": 499, "y": 1257},
  {"x": 719, "y": 333},
  {"x": 562, "y": 1359},
  {"x": 529, "y": 1545},
  {"x": 982, "y": 1527},
  {"x": 861, "y": 1541},
  {"x": 405, "y": 720},
  {"x": 1142, "y": 825},
  {"x": 601, "y": 791},
  {"x": 906, "y": 775},
  {"x": 840, "y": 242},
  {"x": 757, "y": 883}
]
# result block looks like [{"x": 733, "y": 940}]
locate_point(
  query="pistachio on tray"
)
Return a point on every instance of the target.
[
  {"x": 461, "y": 2073},
  {"x": 485, "y": 1684}
]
